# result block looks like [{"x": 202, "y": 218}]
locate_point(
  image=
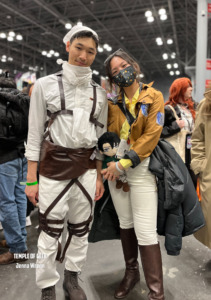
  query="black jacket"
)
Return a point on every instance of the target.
[
  {"x": 179, "y": 210},
  {"x": 14, "y": 109},
  {"x": 170, "y": 126}
]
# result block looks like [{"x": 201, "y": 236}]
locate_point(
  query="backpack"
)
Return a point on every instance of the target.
[{"x": 14, "y": 110}]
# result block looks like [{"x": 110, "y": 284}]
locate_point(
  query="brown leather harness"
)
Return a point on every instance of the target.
[{"x": 61, "y": 163}]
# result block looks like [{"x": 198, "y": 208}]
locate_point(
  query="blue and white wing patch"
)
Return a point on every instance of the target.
[
  {"x": 160, "y": 118},
  {"x": 145, "y": 109}
]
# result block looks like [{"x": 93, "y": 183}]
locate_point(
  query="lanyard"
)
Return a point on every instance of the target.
[{"x": 124, "y": 109}]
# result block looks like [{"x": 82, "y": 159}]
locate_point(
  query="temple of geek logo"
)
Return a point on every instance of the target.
[{"x": 29, "y": 266}]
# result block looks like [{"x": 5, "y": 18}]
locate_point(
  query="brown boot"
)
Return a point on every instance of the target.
[
  {"x": 152, "y": 267},
  {"x": 71, "y": 288},
  {"x": 9, "y": 258},
  {"x": 130, "y": 251},
  {"x": 48, "y": 293},
  {"x": 3, "y": 244}
]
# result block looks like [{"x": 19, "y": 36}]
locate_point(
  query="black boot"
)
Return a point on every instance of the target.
[
  {"x": 130, "y": 251},
  {"x": 71, "y": 288},
  {"x": 49, "y": 293},
  {"x": 152, "y": 267}
]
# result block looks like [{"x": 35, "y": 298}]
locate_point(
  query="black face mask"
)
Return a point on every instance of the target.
[{"x": 125, "y": 77}]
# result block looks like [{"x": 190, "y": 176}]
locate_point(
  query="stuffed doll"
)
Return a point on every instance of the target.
[{"x": 108, "y": 144}]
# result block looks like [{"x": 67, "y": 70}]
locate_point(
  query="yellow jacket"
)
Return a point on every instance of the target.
[{"x": 146, "y": 130}]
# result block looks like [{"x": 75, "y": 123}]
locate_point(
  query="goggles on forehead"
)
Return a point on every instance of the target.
[{"x": 116, "y": 53}]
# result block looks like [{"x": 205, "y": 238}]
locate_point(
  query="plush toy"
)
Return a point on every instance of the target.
[{"x": 108, "y": 144}]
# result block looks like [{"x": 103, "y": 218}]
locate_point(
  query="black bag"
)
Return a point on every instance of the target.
[
  {"x": 14, "y": 110},
  {"x": 106, "y": 223}
]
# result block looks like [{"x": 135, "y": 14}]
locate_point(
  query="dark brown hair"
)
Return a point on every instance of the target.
[{"x": 85, "y": 34}]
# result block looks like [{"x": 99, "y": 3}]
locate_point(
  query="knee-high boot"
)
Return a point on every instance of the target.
[
  {"x": 152, "y": 267},
  {"x": 130, "y": 251}
]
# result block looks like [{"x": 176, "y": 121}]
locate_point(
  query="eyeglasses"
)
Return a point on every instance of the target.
[{"x": 116, "y": 53}]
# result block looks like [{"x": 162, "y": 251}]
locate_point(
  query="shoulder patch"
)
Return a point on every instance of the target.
[
  {"x": 160, "y": 118},
  {"x": 144, "y": 109}
]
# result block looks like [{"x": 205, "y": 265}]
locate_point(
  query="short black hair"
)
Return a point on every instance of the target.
[
  {"x": 85, "y": 34},
  {"x": 108, "y": 137}
]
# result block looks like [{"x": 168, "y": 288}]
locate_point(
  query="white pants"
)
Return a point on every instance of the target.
[
  {"x": 138, "y": 207},
  {"x": 76, "y": 206}
]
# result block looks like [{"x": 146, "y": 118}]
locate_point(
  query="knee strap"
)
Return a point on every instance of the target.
[{"x": 75, "y": 229}]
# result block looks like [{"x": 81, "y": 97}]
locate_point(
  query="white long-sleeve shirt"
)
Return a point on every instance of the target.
[{"x": 71, "y": 131}]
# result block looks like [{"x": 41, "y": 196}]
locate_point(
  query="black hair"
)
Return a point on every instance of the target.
[
  {"x": 85, "y": 34},
  {"x": 6, "y": 81},
  {"x": 124, "y": 55},
  {"x": 108, "y": 137}
]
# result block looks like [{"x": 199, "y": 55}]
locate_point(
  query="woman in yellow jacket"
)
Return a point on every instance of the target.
[
  {"x": 136, "y": 209},
  {"x": 201, "y": 163}
]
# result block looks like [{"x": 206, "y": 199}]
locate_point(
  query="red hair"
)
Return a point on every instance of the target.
[{"x": 177, "y": 91}]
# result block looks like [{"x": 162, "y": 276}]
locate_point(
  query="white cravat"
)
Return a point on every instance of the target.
[{"x": 76, "y": 75}]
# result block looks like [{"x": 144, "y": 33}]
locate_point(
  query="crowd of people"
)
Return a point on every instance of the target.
[{"x": 58, "y": 136}]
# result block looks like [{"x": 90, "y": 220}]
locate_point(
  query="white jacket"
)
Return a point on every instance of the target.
[{"x": 74, "y": 131}]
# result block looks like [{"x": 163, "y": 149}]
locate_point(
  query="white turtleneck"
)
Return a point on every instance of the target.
[{"x": 76, "y": 75}]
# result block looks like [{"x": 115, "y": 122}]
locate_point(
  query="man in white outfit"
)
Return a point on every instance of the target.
[{"x": 68, "y": 113}]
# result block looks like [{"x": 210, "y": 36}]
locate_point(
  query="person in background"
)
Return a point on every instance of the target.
[
  {"x": 201, "y": 163},
  {"x": 13, "y": 168},
  {"x": 139, "y": 133},
  {"x": 74, "y": 108},
  {"x": 180, "y": 116}
]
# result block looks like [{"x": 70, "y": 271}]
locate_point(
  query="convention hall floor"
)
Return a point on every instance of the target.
[{"x": 186, "y": 277}]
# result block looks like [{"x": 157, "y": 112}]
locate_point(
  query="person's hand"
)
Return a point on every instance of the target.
[
  {"x": 99, "y": 189},
  {"x": 31, "y": 192},
  {"x": 111, "y": 172},
  {"x": 180, "y": 123}
]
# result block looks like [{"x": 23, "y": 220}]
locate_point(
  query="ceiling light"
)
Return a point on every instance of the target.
[
  {"x": 141, "y": 75},
  {"x": 168, "y": 66},
  {"x": 0, "y": 71},
  {"x": 105, "y": 46},
  {"x": 44, "y": 52},
  {"x": 162, "y": 11},
  {"x": 79, "y": 23},
  {"x": 10, "y": 59},
  {"x": 159, "y": 41},
  {"x": 10, "y": 38},
  {"x": 150, "y": 19},
  {"x": 173, "y": 55},
  {"x": 100, "y": 49},
  {"x": 171, "y": 73},
  {"x": 3, "y": 60},
  {"x": 163, "y": 17},
  {"x": 169, "y": 41},
  {"x": 11, "y": 33},
  {"x": 51, "y": 52},
  {"x": 68, "y": 26},
  {"x": 56, "y": 54},
  {"x": 109, "y": 48},
  {"x": 165, "y": 56},
  {"x": 177, "y": 72},
  {"x": 148, "y": 13},
  {"x": 19, "y": 37},
  {"x": 176, "y": 65},
  {"x": 4, "y": 56},
  {"x": 41, "y": 68},
  {"x": 48, "y": 55},
  {"x": 3, "y": 35}
]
